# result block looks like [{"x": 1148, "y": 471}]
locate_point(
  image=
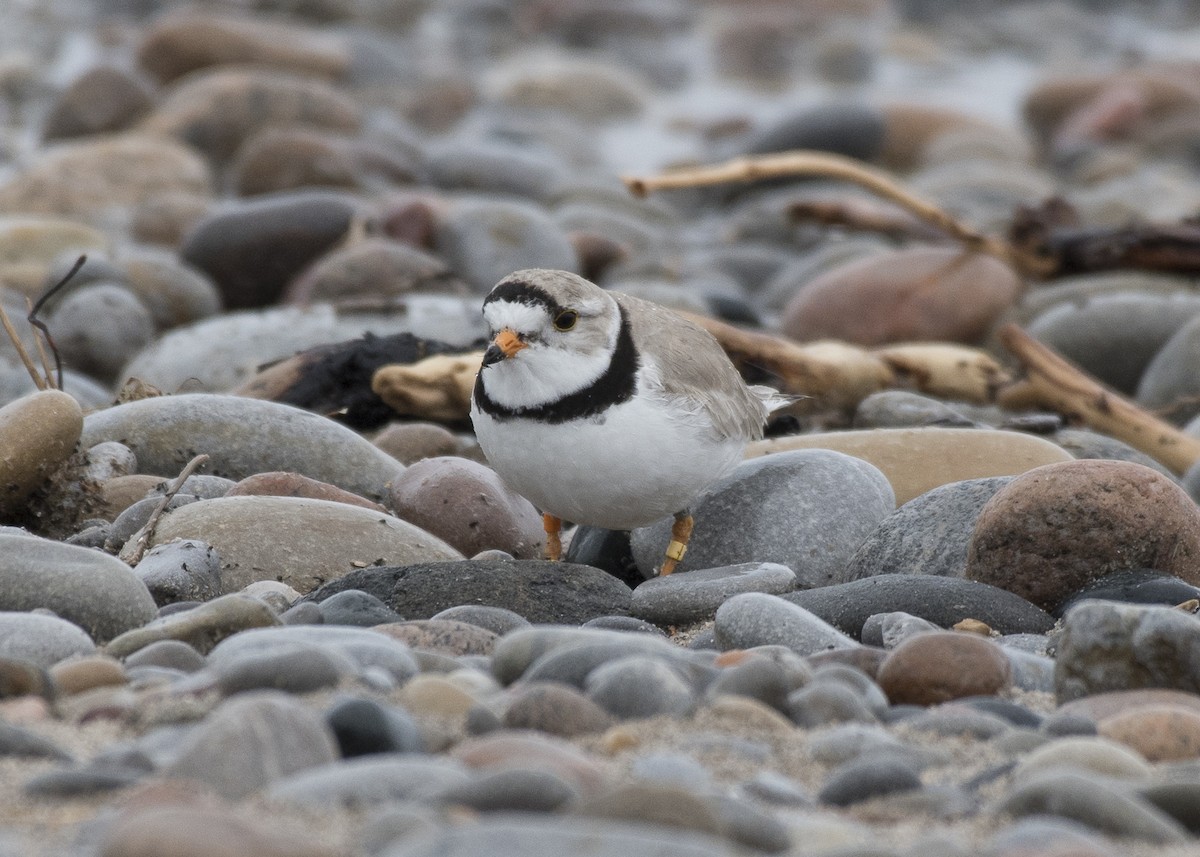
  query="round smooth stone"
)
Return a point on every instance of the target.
[
  {"x": 684, "y": 598},
  {"x": 357, "y": 608},
  {"x": 217, "y": 110},
  {"x": 498, "y": 620},
  {"x": 916, "y": 460},
  {"x": 175, "y": 293},
  {"x": 37, "y": 433},
  {"x": 1135, "y": 586},
  {"x": 181, "y": 571},
  {"x": 201, "y": 626},
  {"x": 178, "y": 829},
  {"x": 928, "y": 669},
  {"x": 91, "y": 589},
  {"x": 865, "y": 778},
  {"x": 280, "y": 484},
  {"x": 774, "y": 509},
  {"x": 555, "y": 709},
  {"x": 251, "y": 740},
  {"x": 101, "y": 100},
  {"x": 368, "y": 781},
  {"x": 466, "y": 504},
  {"x": 363, "y": 726},
  {"x": 637, "y": 687},
  {"x": 1158, "y": 732},
  {"x": 41, "y": 640},
  {"x": 512, "y": 791},
  {"x": 362, "y": 648},
  {"x": 1057, "y": 528},
  {"x": 100, "y": 327}
]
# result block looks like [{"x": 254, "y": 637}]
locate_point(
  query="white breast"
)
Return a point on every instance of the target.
[{"x": 639, "y": 462}]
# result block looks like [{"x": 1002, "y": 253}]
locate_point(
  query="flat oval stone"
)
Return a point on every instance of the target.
[
  {"x": 588, "y": 773},
  {"x": 774, "y": 509},
  {"x": 904, "y": 295},
  {"x": 201, "y": 830},
  {"x": 370, "y": 781},
  {"x": 517, "y": 651},
  {"x": 679, "y": 599},
  {"x": 363, "y": 648},
  {"x": 95, "y": 591},
  {"x": 201, "y": 627},
  {"x": 302, "y": 542},
  {"x": 243, "y": 437},
  {"x": 637, "y": 687},
  {"x": 280, "y": 484},
  {"x": 254, "y": 248},
  {"x": 37, "y": 434},
  {"x": 446, "y": 636},
  {"x": 865, "y": 778},
  {"x": 931, "y": 668},
  {"x": 1166, "y": 382},
  {"x": 756, "y": 619},
  {"x": 916, "y": 460},
  {"x": 1057, "y": 528},
  {"x": 542, "y": 592},
  {"x": 1093, "y": 802},
  {"x": 181, "y": 571},
  {"x": 40, "y": 640},
  {"x": 1158, "y": 732},
  {"x": 1087, "y": 753},
  {"x": 556, "y": 709},
  {"x": 945, "y": 601}
]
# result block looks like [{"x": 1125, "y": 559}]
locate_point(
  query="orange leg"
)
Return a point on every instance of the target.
[
  {"x": 553, "y": 527},
  {"x": 681, "y": 532}
]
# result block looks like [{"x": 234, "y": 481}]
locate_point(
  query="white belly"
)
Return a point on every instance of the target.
[{"x": 635, "y": 466}]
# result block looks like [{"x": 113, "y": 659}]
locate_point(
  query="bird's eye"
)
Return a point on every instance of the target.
[{"x": 565, "y": 320}]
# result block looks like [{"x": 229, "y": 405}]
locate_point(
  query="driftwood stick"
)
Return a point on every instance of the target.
[
  {"x": 38, "y": 380},
  {"x": 1058, "y": 384},
  {"x": 141, "y": 539},
  {"x": 827, "y": 165}
]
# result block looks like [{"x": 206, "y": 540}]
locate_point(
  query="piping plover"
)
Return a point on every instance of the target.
[{"x": 605, "y": 409}]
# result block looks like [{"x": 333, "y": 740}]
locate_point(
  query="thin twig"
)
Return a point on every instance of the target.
[
  {"x": 41, "y": 349},
  {"x": 41, "y": 325},
  {"x": 142, "y": 537},
  {"x": 828, "y": 165},
  {"x": 38, "y": 380}
]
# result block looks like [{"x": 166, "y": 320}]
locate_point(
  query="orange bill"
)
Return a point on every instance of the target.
[{"x": 508, "y": 342}]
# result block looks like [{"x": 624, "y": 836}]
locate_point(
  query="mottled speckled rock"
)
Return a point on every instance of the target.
[
  {"x": 466, "y": 504},
  {"x": 1056, "y": 528},
  {"x": 917, "y": 460},
  {"x": 805, "y": 509},
  {"x": 302, "y": 542},
  {"x": 1107, "y": 646},
  {"x": 37, "y": 434},
  {"x": 97, "y": 592},
  {"x": 242, "y": 437},
  {"x": 927, "y": 535}
]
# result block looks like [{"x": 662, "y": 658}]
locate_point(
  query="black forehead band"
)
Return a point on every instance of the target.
[{"x": 520, "y": 292}]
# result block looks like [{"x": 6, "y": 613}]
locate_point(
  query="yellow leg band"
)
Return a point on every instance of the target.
[{"x": 676, "y": 550}]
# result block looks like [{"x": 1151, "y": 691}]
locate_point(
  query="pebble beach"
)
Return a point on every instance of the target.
[{"x": 927, "y": 616}]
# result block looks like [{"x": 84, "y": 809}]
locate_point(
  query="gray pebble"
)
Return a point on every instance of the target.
[
  {"x": 172, "y": 654},
  {"x": 357, "y": 608},
  {"x": 363, "y": 726},
  {"x": 902, "y": 409},
  {"x": 252, "y": 740},
  {"x": 96, "y": 592},
  {"x": 298, "y": 668},
  {"x": 498, "y": 620},
  {"x": 512, "y": 790},
  {"x": 362, "y": 647},
  {"x": 136, "y": 516},
  {"x": 370, "y": 781},
  {"x": 40, "y": 639},
  {"x": 757, "y": 677},
  {"x": 1109, "y": 646},
  {"x": 1092, "y": 801},
  {"x": 679, "y": 599},
  {"x": 181, "y": 571},
  {"x": 805, "y": 509},
  {"x": 890, "y": 629},
  {"x": 755, "y": 619},
  {"x": 636, "y": 687},
  {"x": 927, "y": 535},
  {"x": 865, "y": 778},
  {"x": 823, "y": 703}
]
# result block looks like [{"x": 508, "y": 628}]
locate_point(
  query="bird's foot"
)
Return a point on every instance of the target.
[
  {"x": 681, "y": 533},
  {"x": 553, "y": 527}
]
